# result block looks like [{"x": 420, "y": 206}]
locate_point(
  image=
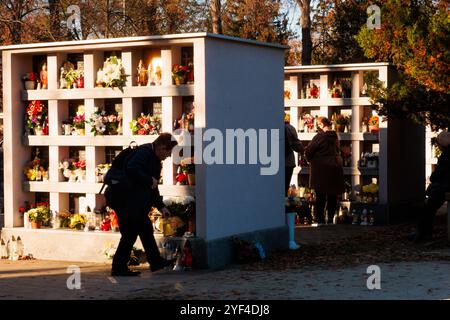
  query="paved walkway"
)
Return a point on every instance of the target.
[{"x": 48, "y": 280}]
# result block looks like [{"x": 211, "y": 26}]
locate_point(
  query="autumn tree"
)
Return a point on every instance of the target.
[
  {"x": 256, "y": 19},
  {"x": 415, "y": 37},
  {"x": 14, "y": 17}
]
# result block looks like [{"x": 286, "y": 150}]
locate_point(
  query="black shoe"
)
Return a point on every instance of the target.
[
  {"x": 161, "y": 265},
  {"x": 125, "y": 273}
]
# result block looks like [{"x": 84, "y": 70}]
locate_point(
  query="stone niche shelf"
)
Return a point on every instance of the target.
[
  {"x": 351, "y": 136},
  {"x": 78, "y": 187},
  {"x": 109, "y": 93},
  {"x": 99, "y": 141},
  {"x": 334, "y": 102},
  {"x": 347, "y": 171}
]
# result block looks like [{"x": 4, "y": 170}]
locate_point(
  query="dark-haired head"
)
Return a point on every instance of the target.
[
  {"x": 325, "y": 122},
  {"x": 164, "y": 145}
]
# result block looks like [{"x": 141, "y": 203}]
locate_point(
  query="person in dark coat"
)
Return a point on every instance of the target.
[
  {"x": 439, "y": 185},
  {"x": 327, "y": 177},
  {"x": 292, "y": 143},
  {"x": 143, "y": 170}
]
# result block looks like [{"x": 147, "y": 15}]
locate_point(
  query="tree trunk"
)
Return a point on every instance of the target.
[
  {"x": 151, "y": 10},
  {"x": 216, "y": 16},
  {"x": 305, "y": 24}
]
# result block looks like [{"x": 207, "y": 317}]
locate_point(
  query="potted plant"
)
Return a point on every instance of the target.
[
  {"x": 179, "y": 73},
  {"x": 29, "y": 80},
  {"x": 64, "y": 219},
  {"x": 38, "y": 215},
  {"x": 77, "y": 221},
  {"x": 373, "y": 124}
]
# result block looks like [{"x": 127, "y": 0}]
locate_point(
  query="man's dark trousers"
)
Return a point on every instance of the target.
[
  {"x": 287, "y": 179},
  {"x": 131, "y": 226},
  {"x": 426, "y": 218}
]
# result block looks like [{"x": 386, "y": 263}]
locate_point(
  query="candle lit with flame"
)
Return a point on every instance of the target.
[{"x": 156, "y": 63}]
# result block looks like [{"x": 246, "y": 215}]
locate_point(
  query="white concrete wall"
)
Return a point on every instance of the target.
[
  {"x": 243, "y": 89},
  {"x": 15, "y": 153}
]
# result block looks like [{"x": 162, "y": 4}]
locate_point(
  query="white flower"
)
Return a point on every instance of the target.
[
  {"x": 187, "y": 200},
  {"x": 168, "y": 201}
]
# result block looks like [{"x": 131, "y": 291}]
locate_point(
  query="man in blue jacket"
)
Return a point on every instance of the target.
[{"x": 143, "y": 170}]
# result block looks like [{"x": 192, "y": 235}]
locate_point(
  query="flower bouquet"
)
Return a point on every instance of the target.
[
  {"x": 336, "y": 90},
  {"x": 314, "y": 91},
  {"x": 79, "y": 123},
  {"x": 308, "y": 122},
  {"x": 103, "y": 124},
  {"x": 187, "y": 171},
  {"x": 374, "y": 124},
  {"x": 179, "y": 73},
  {"x": 182, "y": 216},
  {"x": 146, "y": 125},
  {"x": 35, "y": 170},
  {"x": 341, "y": 122},
  {"x": 37, "y": 117},
  {"x": 187, "y": 165},
  {"x": 112, "y": 74},
  {"x": 74, "y": 78},
  {"x": 370, "y": 193}
]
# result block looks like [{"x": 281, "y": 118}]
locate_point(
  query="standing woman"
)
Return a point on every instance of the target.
[{"x": 327, "y": 177}]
